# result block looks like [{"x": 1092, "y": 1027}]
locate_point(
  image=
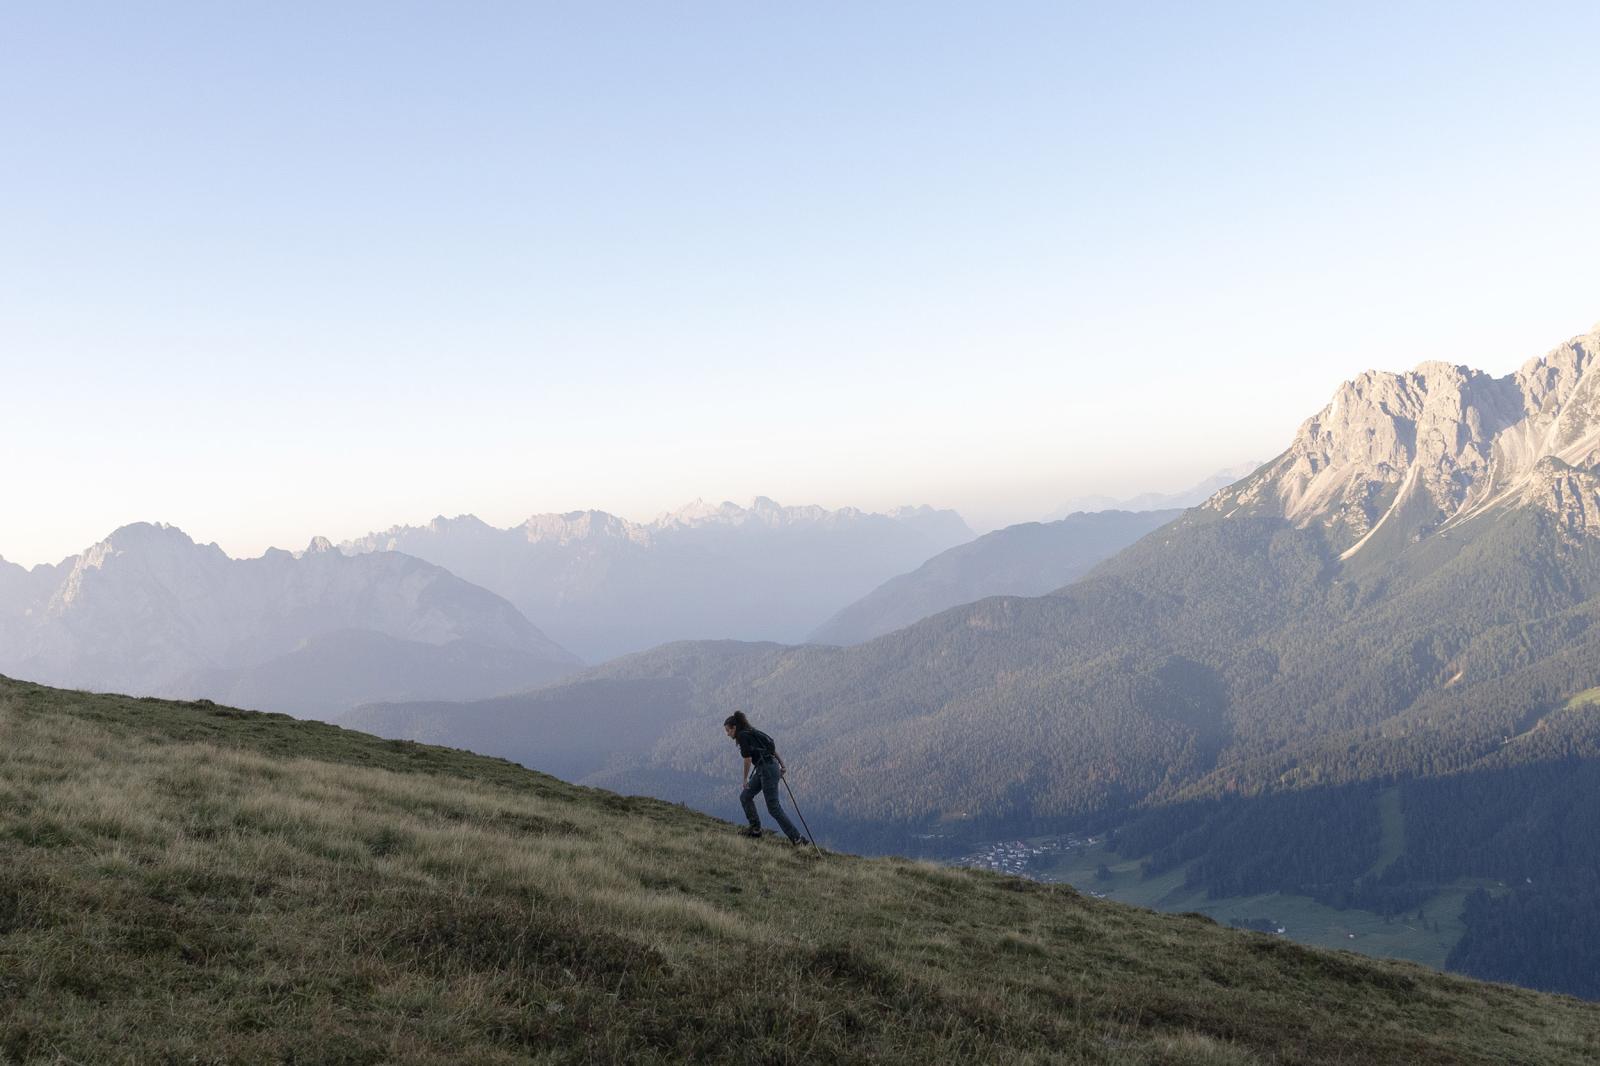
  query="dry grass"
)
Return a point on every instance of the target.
[{"x": 188, "y": 884}]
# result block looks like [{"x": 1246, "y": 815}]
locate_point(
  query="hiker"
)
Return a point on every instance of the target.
[{"x": 762, "y": 769}]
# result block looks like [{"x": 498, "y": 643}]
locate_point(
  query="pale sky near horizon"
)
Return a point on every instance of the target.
[{"x": 270, "y": 271}]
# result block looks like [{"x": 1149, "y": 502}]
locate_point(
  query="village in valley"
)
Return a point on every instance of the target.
[
  {"x": 1037, "y": 859},
  {"x": 1067, "y": 860}
]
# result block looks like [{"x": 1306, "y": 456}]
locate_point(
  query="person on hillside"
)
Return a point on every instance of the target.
[{"x": 762, "y": 771}]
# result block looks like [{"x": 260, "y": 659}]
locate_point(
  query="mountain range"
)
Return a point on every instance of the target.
[
  {"x": 1396, "y": 457},
  {"x": 1192, "y": 496},
  {"x": 1029, "y": 559},
  {"x": 603, "y": 586},
  {"x": 149, "y": 611},
  {"x": 1407, "y": 598}
]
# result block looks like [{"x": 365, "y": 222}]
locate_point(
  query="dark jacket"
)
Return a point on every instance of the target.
[{"x": 755, "y": 745}]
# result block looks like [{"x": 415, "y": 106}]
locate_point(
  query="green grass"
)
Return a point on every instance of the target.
[
  {"x": 1307, "y": 921},
  {"x": 1581, "y": 706},
  {"x": 1392, "y": 844},
  {"x": 183, "y": 883},
  {"x": 1589, "y": 697}
]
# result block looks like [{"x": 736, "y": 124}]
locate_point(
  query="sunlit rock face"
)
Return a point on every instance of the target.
[
  {"x": 1426, "y": 449},
  {"x": 1570, "y": 493}
]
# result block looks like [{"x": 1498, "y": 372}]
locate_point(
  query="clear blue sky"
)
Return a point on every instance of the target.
[{"x": 270, "y": 270}]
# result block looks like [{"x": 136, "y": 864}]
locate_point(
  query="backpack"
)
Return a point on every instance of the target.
[{"x": 761, "y": 745}]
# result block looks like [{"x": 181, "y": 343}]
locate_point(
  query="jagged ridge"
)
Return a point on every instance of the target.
[
  {"x": 149, "y": 610},
  {"x": 1438, "y": 446},
  {"x": 603, "y": 585}
]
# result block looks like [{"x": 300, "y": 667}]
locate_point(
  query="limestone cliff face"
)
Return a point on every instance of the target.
[
  {"x": 1569, "y": 493},
  {"x": 1438, "y": 445}
]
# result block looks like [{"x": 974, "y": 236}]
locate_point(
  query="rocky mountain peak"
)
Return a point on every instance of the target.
[
  {"x": 144, "y": 535},
  {"x": 147, "y": 545},
  {"x": 700, "y": 513},
  {"x": 460, "y": 524},
  {"x": 319, "y": 546},
  {"x": 696, "y": 508},
  {"x": 1438, "y": 445},
  {"x": 148, "y": 610},
  {"x": 767, "y": 512},
  {"x": 576, "y": 526}
]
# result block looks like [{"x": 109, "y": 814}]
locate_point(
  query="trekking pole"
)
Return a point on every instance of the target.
[{"x": 796, "y": 803}]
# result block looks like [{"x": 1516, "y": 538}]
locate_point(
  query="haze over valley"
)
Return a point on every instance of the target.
[
  {"x": 148, "y": 611},
  {"x": 602, "y": 585}
]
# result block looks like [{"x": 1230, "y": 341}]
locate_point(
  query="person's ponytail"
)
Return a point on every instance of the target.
[{"x": 737, "y": 721}]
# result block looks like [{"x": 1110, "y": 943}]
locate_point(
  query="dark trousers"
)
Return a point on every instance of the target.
[{"x": 764, "y": 778}]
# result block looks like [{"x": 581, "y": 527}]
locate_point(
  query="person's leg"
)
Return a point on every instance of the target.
[
  {"x": 747, "y": 800},
  {"x": 769, "y": 785}
]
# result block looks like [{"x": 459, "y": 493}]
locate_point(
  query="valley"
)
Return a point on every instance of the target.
[{"x": 1088, "y": 864}]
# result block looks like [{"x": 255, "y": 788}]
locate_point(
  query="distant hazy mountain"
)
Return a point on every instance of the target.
[
  {"x": 148, "y": 611},
  {"x": 602, "y": 585},
  {"x": 1157, "y": 501},
  {"x": 1022, "y": 560}
]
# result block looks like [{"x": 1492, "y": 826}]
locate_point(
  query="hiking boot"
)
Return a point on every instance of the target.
[
  {"x": 799, "y": 842},
  {"x": 750, "y": 831}
]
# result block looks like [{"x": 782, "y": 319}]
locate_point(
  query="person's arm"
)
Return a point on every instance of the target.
[
  {"x": 782, "y": 769},
  {"x": 746, "y": 779}
]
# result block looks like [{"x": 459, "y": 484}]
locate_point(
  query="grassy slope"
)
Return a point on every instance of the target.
[
  {"x": 185, "y": 883},
  {"x": 1306, "y": 920}
]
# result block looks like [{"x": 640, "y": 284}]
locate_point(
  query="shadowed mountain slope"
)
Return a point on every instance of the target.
[
  {"x": 191, "y": 883},
  {"x": 1030, "y": 559}
]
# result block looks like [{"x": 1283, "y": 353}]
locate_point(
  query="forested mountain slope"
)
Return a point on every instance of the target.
[
  {"x": 183, "y": 882},
  {"x": 1216, "y": 657},
  {"x": 1030, "y": 559}
]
